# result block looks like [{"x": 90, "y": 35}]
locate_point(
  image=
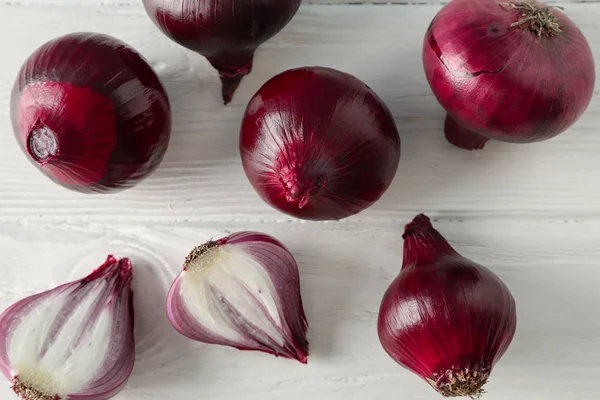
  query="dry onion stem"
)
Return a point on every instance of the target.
[
  {"x": 199, "y": 251},
  {"x": 25, "y": 391},
  {"x": 467, "y": 383},
  {"x": 540, "y": 19}
]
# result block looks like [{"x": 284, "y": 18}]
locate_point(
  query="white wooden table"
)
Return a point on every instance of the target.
[{"x": 529, "y": 212}]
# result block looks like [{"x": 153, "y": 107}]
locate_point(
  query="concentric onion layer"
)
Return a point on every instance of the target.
[
  {"x": 74, "y": 341},
  {"x": 241, "y": 291}
]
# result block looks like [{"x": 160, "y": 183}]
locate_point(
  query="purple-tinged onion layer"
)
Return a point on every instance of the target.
[
  {"x": 74, "y": 341},
  {"x": 241, "y": 291},
  {"x": 226, "y": 32},
  {"x": 511, "y": 71},
  {"x": 90, "y": 113},
  {"x": 319, "y": 144},
  {"x": 445, "y": 318}
]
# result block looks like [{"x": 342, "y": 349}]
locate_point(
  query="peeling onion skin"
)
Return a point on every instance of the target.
[
  {"x": 90, "y": 113},
  {"x": 505, "y": 83},
  {"x": 281, "y": 290},
  {"x": 445, "y": 318},
  {"x": 226, "y": 32},
  {"x": 319, "y": 144},
  {"x": 110, "y": 288}
]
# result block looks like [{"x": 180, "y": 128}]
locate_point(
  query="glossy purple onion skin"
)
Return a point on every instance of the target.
[
  {"x": 444, "y": 312},
  {"x": 106, "y": 107},
  {"x": 319, "y": 144},
  {"x": 226, "y": 32},
  {"x": 283, "y": 271},
  {"x": 502, "y": 82},
  {"x": 115, "y": 373}
]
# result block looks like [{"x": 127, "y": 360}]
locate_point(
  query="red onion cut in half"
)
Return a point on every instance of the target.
[
  {"x": 241, "y": 291},
  {"x": 445, "y": 318},
  {"x": 90, "y": 113},
  {"x": 74, "y": 341},
  {"x": 226, "y": 32},
  {"x": 511, "y": 71},
  {"x": 319, "y": 144}
]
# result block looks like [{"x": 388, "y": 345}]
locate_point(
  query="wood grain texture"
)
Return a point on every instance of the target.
[
  {"x": 137, "y": 3},
  {"x": 550, "y": 266},
  {"x": 528, "y": 212},
  {"x": 201, "y": 177}
]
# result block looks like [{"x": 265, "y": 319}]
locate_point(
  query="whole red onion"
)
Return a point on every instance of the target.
[
  {"x": 444, "y": 317},
  {"x": 226, "y": 32},
  {"x": 319, "y": 144},
  {"x": 91, "y": 113},
  {"x": 515, "y": 72}
]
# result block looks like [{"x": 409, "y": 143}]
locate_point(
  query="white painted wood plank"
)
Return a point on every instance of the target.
[
  {"x": 201, "y": 177},
  {"x": 548, "y": 257},
  {"x": 137, "y": 3},
  {"x": 550, "y": 266}
]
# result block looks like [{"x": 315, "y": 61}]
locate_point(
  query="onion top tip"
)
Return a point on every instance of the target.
[
  {"x": 462, "y": 137},
  {"x": 421, "y": 223},
  {"x": 228, "y": 87},
  {"x": 231, "y": 81},
  {"x": 302, "y": 356}
]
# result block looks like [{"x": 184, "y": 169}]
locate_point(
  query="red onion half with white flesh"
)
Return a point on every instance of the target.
[
  {"x": 90, "y": 113},
  {"x": 241, "y": 291},
  {"x": 511, "y": 71},
  {"x": 73, "y": 342},
  {"x": 226, "y": 32},
  {"x": 445, "y": 318}
]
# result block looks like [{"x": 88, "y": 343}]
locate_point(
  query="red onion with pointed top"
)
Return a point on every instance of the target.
[
  {"x": 226, "y": 32},
  {"x": 445, "y": 318},
  {"x": 91, "y": 113},
  {"x": 241, "y": 291},
  {"x": 319, "y": 144},
  {"x": 516, "y": 72}
]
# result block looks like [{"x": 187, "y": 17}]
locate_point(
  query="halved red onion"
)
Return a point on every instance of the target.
[
  {"x": 241, "y": 291},
  {"x": 74, "y": 341}
]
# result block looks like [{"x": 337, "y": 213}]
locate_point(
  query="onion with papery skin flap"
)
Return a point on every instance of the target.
[
  {"x": 91, "y": 113},
  {"x": 241, "y": 291},
  {"x": 226, "y": 32},
  {"x": 319, "y": 144},
  {"x": 511, "y": 71},
  {"x": 445, "y": 318}
]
